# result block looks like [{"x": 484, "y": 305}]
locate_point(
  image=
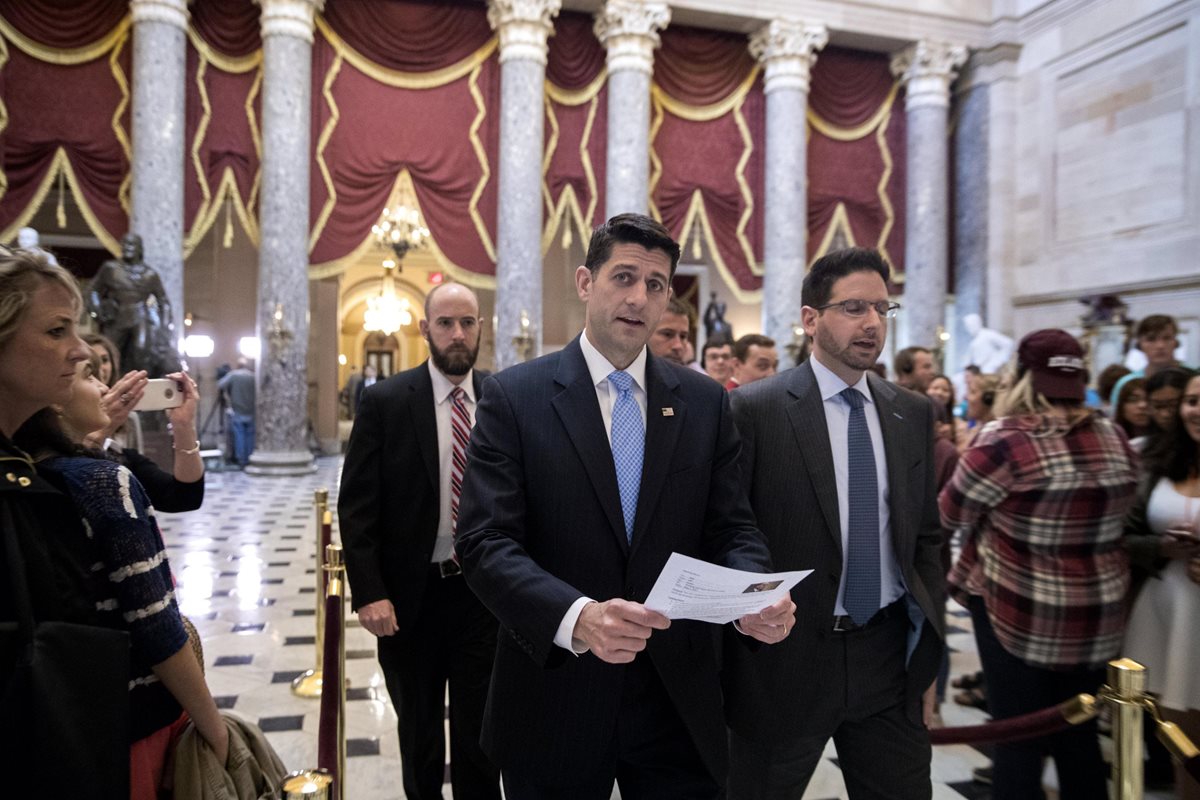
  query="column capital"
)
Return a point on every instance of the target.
[
  {"x": 172, "y": 12},
  {"x": 628, "y": 29},
  {"x": 524, "y": 26},
  {"x": 787, "y": 48},
  {"x": 292, "y": 18},
  {"x": 927, "y": 68}
]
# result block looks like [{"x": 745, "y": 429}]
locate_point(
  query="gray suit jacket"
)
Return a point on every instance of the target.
[{"x": 787, "y": 468}]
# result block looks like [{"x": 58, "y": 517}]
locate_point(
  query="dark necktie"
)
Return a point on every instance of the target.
[
  {"x": 862, "y": 553},
  {"x": 460, "y": 434}
]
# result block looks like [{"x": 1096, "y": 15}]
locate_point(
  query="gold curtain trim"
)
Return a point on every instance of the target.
[
  {"x": 709, "y": 112},
  {"x": 481, "y": 156},
  {"x": 403, "y": 183},
  {"x": 581, "y": 218},
  {"x": 839, "y": 221},
  {"x": 656, "y": 169},
  {"x": 889, "y": 213},
  {"x": 195, "y": 235},
  {"x": 697, "y": 214},
  {"x": 744, "y": 186},
  {"x": 114, "y": 63},
  {"x": 406, "y": 80},
  {"x": 232, "y": 64},
  {"x": 577, "y": 97},
  {"x": 78, "y": 55},
  {"x": 61, "y": 164},
  {"x": 256, "y": 136},
  {"x": 3, "y": 119},
  {"x": 335, "y": 115},
  {"x": 227, "y": 188},
  {"x": 842, "y": 134}
]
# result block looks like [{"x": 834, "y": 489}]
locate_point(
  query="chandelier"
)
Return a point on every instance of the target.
[
  {"x": 400, "y": 229},
  {"x": 387, "y": 313}
]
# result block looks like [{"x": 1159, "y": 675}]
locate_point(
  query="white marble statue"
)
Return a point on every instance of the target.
[
  {"x": 989, "y": 350},
  {"x": 27, "y": 239}
]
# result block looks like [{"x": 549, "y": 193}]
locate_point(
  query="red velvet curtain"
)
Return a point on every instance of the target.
[
  {"x": 411, "y": 35},
  {"x": 574, "y": 62},
  {"x": 446, "y": 136},
  {"x": 224, "y": 75},
  {"x": 862, "y": 167},
  {"x": 720, "y": 156},
  {"x": 67, "y": 108}
]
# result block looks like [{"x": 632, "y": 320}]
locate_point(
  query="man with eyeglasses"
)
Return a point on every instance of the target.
[
  {"x": 838, "y": 464},
  {"x": 717, "y": 359}
]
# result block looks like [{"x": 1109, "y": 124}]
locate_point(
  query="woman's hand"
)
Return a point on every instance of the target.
[
  {"x": 121, "y": 399},
  {"x": 184, "y": 415}
]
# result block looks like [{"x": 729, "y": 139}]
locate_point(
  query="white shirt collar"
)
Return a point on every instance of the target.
[
  {"x": 830, "y": 384},
  {"x": 442, "y": 387},
  {"x": 600, "y": 367}
]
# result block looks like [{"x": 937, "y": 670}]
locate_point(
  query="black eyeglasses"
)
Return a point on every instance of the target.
[{"x": 858, "y": 308}]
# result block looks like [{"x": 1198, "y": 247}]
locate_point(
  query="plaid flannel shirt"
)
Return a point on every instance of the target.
[{"x": 1044, "y": 511}]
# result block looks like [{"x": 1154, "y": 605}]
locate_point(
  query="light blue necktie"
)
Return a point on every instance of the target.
[
  {"x": 862, "y": 554},
  {"x": 628, "y": 445}
]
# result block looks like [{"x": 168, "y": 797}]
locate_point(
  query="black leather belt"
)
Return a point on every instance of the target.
[
  {"x": 842, "y": 623},
  {"x": 448, "y": 568}
]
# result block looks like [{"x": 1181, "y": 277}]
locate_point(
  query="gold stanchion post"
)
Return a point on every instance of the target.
[
  {"x": 308, "y": 784},
  {"x": 336, "y": 573},
  {"x": 1126, "y": 691},
  {"x": 308, "y": 684}
]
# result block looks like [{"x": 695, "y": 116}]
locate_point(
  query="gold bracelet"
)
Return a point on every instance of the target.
[{"x": 191, "y": 452}]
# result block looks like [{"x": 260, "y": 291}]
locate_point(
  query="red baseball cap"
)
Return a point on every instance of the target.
[{"x": 1054, "y": 358}]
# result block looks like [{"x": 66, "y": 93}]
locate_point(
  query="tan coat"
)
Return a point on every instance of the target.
[{"x": 252, "y": 772}]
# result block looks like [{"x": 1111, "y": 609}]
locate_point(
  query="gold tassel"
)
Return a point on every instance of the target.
[
  {"x": 227, "y": 241},
  {"x": 61, "y": 211}
]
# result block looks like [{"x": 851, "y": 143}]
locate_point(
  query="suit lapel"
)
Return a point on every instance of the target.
[
  {"x": 579, "y": 411},
  {"x": 892, "y": 423},
  {"x": 424, "y": 421},
  {"x": 807, "y": 416},
  {"x": 662, "y": 434}
]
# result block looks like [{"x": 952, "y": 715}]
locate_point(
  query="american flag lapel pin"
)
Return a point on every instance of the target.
[{"x": 668, "y": 412}]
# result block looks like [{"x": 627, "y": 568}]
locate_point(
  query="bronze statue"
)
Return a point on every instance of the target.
[
  {"x": 715, "y": 326},
  {"x": 127, "y": 300}
]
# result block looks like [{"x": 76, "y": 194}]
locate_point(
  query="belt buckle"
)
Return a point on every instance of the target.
[
  {"x": 449, "y": 568},
  {"x": 844, "y": 624}
]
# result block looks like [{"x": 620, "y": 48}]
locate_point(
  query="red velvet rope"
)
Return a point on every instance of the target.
[
  {"x": 331, "y": 681},
  {"x": 1013, "y": 729}
]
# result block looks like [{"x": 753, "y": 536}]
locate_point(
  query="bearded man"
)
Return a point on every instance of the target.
[{"x": 398, "y": 506}]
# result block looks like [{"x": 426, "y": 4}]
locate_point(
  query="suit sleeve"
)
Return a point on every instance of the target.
[
  {"x": 928, "y": 557},
  {"x": 731, "y": 535},
  {"x": 493, "y": 526},
  {"x": 359, "y": 503}
]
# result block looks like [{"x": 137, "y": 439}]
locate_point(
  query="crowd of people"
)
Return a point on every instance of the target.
[{"x": 541, "y": 503}]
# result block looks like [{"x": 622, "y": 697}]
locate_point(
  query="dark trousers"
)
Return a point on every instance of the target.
[
  {"x": 455, "y": 643},
  {"x": 883, "y": 755},
  {"x": 1014, "y": 688},
  {"x": 652, "y": 758}
]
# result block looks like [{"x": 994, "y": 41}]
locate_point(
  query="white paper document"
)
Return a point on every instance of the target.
[{"x": 689, "y": 588}]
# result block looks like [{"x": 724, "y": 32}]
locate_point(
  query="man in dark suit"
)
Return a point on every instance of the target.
[
  {"x": 839, "y": 468},
  {"x": 588, "y": 468},
  {"x": 397, "y": 510}
]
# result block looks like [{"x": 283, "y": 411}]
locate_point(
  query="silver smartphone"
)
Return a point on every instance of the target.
[{"x": 160, "y": 393}]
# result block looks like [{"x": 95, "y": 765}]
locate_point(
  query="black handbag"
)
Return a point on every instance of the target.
[{"x": 66, "y": 705}]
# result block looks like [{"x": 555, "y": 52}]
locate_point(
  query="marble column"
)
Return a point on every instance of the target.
[
  {"x": 970, "y": 229},
  {"x": 523, "y": 26},
  {"x": 159, "y": 61},
  {"x": 787, "y": 49},
  {"x": 628, "y": 29},
  {"x": 281, "y": 420},
  {"x": 926, "y": 69}
]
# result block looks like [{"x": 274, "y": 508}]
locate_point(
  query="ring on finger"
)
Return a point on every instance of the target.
[{"x": 125, "y": 398}]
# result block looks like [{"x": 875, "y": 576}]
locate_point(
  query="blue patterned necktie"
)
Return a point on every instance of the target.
[
  {"x": 628, "y": 445},
  {"x": 862, "y": 555}
]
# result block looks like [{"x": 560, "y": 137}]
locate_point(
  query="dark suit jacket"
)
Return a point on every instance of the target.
[
  {"x": 787, "y": 466},
  {"x": 388, "y": 502},
  {"x": 540, "y": 525}
]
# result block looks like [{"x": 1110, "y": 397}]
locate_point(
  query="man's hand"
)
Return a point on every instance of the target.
[
  {"x": 616, "y": 630},
  {"x": 379, "y": 618},
  {"x": 772, "y": 624}
]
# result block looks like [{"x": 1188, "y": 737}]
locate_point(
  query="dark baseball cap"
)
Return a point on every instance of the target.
[{"x": 1054, "y": 358}]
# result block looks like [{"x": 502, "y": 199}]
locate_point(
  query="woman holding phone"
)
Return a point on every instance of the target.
[{"x": 1163, "y": 539}]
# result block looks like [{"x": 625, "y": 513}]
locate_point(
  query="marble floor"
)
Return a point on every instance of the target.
[{"x": 245, "y": 567}]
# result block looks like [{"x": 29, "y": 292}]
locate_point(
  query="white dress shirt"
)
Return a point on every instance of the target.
[
  {"x": 600, "y": 368},
  {"x": 837, "y": 419},
  {"x": 443, "y": 548}
]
